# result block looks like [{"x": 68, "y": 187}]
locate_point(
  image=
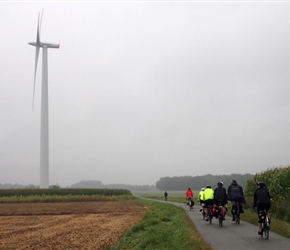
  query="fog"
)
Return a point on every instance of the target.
[{"x": 142, "y": 90}]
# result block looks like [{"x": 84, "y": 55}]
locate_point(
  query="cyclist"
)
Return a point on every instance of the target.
[
  {"x": 236, "y": 195},
  {"x": 165, "y": 195},
  {"x": 208, "y": 195},
  {"x": 220, "y": 197},
  {"x": 189, "y": 196},
  {"x": 200, "y": 198},
  {"x": 261, "y": 201}
]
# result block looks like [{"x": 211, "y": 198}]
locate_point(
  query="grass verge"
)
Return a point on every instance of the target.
[{"x": 164, "y": 226}]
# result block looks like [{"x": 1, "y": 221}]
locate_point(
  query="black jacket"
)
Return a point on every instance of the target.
[
  {"x": 235, "y": 192},
  {"x": 220, "y": 193},
  {"x": 261, "y": 196}
]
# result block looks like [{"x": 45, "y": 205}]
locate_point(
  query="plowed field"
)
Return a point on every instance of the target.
[{"x": 73, "y": 225}]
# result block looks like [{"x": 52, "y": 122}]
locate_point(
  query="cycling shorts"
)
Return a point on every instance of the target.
[
  {"x": 261, "y": 206},
  {"x": 220, "y": 202},
  {"x": 208, "y": 203}
]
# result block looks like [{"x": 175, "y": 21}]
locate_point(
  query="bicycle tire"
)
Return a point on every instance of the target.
[
  {"x": 221, "y": 216},
  {"x": 220, "y": 221},
  {"x": 210, "y": 215},
  {"x": 266, "y": 232},
  {"x": 190, "y": 204},
  {"x": 238, "y": 219}
]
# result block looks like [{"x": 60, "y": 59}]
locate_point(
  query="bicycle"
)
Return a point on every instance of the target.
[
  {"x": 265, "y": 218},
  {"x": 190, "y": 203},
  {"x": 220, "y": 214},
  {"x": 236, "y": 212},
  {"x": 203, "y": 211},
  {"x": 210, "y": 213},
  {"x": 165, "y": 195}
]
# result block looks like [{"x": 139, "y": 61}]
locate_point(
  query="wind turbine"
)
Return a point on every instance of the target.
[{"x": 44, "y": 127}]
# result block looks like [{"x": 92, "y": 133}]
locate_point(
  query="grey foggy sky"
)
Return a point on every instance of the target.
[{"x": 143, "y": 90}]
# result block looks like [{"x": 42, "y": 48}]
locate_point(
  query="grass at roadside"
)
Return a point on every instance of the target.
[{"x": 165, "y": 226}]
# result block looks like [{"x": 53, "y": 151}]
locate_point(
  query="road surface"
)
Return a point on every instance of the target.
[{"x": 233, "y": 236}]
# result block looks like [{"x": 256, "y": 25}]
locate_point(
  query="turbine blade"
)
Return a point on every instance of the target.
[
  {"x": 35, "y": 69},
  {"x": 40, "y": 22},
  {"x": 38, "y": 32}
]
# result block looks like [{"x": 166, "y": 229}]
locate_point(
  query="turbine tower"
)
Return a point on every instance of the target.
[{"x": 44, "y": 128}]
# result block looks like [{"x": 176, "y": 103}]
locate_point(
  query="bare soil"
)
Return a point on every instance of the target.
[{"x": 68, "y": 225}]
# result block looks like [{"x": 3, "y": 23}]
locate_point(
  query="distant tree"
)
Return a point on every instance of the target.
[
  {"x": 56, "y": 186},
  {"x": 88, "y": 184},
  {"x": 31, "y": 186}
]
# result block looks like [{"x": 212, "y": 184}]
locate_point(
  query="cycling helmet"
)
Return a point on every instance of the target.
[
  {"x": 202, "y": 189},
  {"x": 261, "y": 184},
  {"x": 220, "y": 183},
  {"x": 208, "y": 186}
]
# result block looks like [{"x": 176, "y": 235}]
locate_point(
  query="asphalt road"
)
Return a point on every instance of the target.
[{"x": 233, "y": 236}]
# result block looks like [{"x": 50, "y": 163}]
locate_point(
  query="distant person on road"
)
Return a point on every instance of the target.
[
  {"x": 220, "y": 197},
  {"x": 261, "y": 201},
  {"x": 189, "y": 195},
  {"x": 236, "y": 195},
  {"x": 200, "y": 199},
  {"x": 165, "y": 195},
  {"x": 208, "y": 196}
]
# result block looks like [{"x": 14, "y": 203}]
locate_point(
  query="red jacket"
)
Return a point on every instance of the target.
[{"x": 189, "y": 193}]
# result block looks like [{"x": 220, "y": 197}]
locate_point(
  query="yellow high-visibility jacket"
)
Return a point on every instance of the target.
[
  {"x": 200, "y": 196},
  {"x": 208, "y": 194}
]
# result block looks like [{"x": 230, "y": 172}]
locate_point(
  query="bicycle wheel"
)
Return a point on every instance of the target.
[
  {"x": 188, "y": 203},
  {"x": 210, "y": 215},
  {"x": 220, "y": 220},
  {"x": 266, "y": 232},
  {"x": 238, "y": 218},
  {"x": 263, "y": 229}
]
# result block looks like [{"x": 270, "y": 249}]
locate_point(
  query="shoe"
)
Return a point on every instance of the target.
[
  {"x": 260, "y": 233},
  {"x": 206, "y": 218},
  {"x": 224, "y": 218},
  {"x": 233, "y": 219},
  {"x": 200, "y": 210}
]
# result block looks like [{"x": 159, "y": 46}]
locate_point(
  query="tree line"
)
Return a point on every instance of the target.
[
  {"x": 164, "y": 183},
  {"x": 197, "y": 182},
  {"x": 84, "y": 184},
  {"x": 99, "y": 184}
]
